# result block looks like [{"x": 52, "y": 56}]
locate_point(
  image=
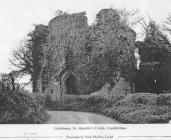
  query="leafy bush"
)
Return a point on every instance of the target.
[
  {"x": 144, "y": 108},
  {"x": 17, "y": 107},
  {"x": 139, "y": 98},
  {"x": 164, "y": 99}
]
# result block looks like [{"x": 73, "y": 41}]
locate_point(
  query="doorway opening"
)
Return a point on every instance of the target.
[{"x": 71, "y": 85}]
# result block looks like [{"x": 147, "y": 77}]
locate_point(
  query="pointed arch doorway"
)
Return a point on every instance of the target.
[{"x": 71, "y": 85}]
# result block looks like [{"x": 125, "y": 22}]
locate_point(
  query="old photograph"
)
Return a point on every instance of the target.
[{"x": 85, "y": 62}]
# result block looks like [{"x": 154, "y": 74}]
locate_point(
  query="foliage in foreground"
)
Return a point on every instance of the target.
[
  {"x": 144, "y": 108},
  {"x": 20, "y": 108},
  {"x": 17, "y": 105},
  {"x": 134, "y": 108}
]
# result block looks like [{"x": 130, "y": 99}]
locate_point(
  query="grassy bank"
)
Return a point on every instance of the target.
[
  {"x": 21, "y": 108},
  {"x": 134, "y": 108}
]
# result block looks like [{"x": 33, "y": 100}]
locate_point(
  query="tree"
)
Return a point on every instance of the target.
[
  {"x": 22, "y": 58},
  {"x": 167, "y": 24},
  {"x": 155, "y": 65},
  {"x": 130, "y": 18},
  {"x": 8, "y": 82},
  {"x": 27, "y": 58}
]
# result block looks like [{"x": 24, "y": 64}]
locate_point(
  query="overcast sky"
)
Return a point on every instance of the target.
[{"x": 18, "y": 16}]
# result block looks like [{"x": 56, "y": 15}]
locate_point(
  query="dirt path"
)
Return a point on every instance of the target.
[{"x": 71, "y": 117}]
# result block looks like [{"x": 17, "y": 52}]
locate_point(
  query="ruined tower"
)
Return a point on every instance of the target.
[{"x": 66, "y": 44}]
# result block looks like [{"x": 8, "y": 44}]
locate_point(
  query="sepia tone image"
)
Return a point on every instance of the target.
[{"x": 85, "y": 62}]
